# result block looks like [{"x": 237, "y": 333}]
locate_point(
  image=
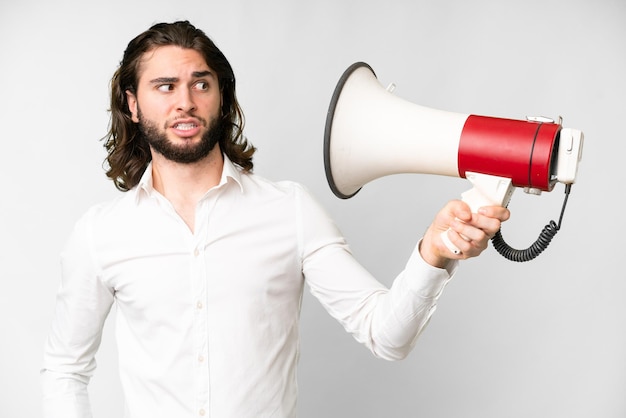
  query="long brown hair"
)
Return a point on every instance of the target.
[{"x": 128, "y": 153}]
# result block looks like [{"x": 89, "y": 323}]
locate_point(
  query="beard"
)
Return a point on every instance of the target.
[{"x": 185, "y": 153}]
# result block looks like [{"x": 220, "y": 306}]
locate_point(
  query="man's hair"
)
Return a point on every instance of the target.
[{"x": 128, "y": 153}]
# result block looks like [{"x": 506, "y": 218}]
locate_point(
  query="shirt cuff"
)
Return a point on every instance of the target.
[{"x": 426, "y": 280}]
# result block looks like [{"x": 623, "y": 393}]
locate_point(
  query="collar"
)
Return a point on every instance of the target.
[{"x": 230, "y": 172}]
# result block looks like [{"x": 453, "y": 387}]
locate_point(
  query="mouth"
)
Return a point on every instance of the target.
[{"x": 186, "y": 128}]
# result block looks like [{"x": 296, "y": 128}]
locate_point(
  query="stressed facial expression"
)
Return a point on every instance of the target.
[{"x": 177, "y": 103}]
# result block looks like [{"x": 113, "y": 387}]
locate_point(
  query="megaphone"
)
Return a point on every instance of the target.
[{"x": 371, "y": 133}]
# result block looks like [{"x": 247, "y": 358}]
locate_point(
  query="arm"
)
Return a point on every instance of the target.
[
  {"x": 82, "y": 305},
  {"x": 388, "y": 321}
]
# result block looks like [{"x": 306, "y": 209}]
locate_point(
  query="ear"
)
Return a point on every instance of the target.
[
  {"x": 221, "y": 102},
  {"x": 132, "y": 105}
]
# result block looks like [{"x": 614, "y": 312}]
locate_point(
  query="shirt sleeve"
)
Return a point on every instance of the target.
[
  {"x": 82, "y": 305},
  {"x": 386, "y": 320}
]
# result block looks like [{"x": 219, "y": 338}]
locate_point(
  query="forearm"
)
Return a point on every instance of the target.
[
  {"x": 386, "y": 320},
  {"x": 65, "y": 395},
  {"x": 403, "y": 313}
]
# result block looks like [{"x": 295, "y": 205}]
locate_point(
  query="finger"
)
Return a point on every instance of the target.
[
  {"x": 470, "y": 241},
  {"x": 487, "y": 225},
  {"x": 471, "y": 232},
  {"x": 497, "y": 212}
]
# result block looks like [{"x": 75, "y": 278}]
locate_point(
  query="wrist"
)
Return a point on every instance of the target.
[{"x": 430, "y": 253}]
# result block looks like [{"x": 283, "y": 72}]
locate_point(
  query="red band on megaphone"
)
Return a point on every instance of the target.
[{"x": 523, "y": 151}]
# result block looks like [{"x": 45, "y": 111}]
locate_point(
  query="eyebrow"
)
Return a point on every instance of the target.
[
  {"x": 164, "y": 80},
  {"x": 195, "y": 74},
  {"x": 199, "y": 74}
]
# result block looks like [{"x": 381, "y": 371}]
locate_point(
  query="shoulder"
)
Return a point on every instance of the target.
[
  {"x": 288, "y": 194},
  {"x": 254, "y": 183},
  {"x": 284, "y": 195},
  {"x": 106, "y": 214},
  {"x": 110, "y": 207}
]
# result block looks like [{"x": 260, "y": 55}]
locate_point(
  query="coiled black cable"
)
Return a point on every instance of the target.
[{"x": 542, "y": 242}]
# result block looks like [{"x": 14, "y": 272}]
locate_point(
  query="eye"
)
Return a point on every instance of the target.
[
  {"x": 202, "y": 85},
  {"x": 165, "y": 87}
]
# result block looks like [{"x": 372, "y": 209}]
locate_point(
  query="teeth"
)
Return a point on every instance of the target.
[{"x": 185, "y": 126}]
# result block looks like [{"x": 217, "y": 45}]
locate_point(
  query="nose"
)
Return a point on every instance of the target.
[{"x": 185, "y": 101}]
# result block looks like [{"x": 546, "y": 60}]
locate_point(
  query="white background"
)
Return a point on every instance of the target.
[{"x": 540, "y": 339}]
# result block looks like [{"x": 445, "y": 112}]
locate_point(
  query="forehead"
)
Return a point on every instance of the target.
[{"x": 171, "y": 61}]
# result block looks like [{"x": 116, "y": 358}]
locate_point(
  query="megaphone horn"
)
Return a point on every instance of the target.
[{"x": 371, "y": 133}]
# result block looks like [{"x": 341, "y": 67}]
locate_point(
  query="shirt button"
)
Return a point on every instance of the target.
[
  {"x": 200, "y": 358},
  {"x": 201, "y": 412},
  {"x": 196, "y": 252},
  {"x": 199, "y": 305}
]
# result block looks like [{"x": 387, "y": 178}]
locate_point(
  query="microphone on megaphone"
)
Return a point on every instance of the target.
[{"x": 371, "y": 133}]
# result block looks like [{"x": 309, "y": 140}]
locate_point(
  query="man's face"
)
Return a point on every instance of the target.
[{"x": 177, "y": 103}]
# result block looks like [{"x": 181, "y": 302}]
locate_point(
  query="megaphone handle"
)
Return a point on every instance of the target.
[{"x": 488, "y": 190}]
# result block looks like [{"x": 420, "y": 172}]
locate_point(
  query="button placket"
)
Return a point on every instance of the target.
[
  {"x": 201, "y": 320},
  {"x": 199, "y": 272}
]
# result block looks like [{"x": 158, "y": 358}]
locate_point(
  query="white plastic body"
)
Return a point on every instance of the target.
[
  {"x": 375, "y": 134},
  {"x": 569, "y": 155},
  {"x": 488, "y": 190}
]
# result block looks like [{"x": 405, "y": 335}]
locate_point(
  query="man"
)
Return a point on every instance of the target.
[{"x": 206, "y": 261}]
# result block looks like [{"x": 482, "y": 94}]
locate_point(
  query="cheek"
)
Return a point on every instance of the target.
[
  {"x": 147, "y": 109},
  {"x": 215, "y": 106}
]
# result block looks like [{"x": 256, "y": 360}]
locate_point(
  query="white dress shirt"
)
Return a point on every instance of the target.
[{"x": 207, "y": 322}]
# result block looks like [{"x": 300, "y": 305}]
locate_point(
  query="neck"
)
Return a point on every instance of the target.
[{"x": 185, "y": 184}]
